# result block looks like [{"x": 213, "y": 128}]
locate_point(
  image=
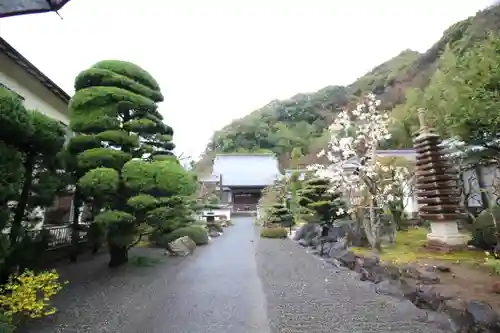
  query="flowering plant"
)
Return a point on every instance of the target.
[{"x": 355, "y": 136}]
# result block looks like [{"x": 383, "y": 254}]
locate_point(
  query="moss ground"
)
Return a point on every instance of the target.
[{"x": 409, "y": 247}]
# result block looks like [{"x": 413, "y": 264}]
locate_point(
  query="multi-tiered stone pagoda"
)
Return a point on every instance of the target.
[{"x": 438, "y": 195}]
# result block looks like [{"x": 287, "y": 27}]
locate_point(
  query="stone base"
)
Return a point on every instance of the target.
[{"x": 445, "y": 235}]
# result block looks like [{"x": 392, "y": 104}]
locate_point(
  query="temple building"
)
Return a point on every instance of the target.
[{"x": 240, "y": 178}]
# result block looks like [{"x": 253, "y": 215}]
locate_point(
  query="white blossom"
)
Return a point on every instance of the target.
[{"x": 354, "y": 136}]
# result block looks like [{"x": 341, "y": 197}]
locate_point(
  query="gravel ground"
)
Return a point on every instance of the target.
[
  {"x": 237, "y": 284},
  {"x": 306, "y": 294},
  {"x": 215, "y": 290}
]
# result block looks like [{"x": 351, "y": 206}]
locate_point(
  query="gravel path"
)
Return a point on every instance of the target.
[
  {"x": 237, "y": 284},
  {"x": 305, "y": 294},
  {"x": 215, "y": 290}
]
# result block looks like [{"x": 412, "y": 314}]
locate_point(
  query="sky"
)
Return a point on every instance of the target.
[{"x": 218, "y": 60}]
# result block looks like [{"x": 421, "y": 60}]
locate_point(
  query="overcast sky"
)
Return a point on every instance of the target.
[{"x": 217, "y": 60}]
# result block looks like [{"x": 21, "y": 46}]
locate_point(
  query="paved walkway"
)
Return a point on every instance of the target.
[
  {"x": 223, "y": 288},
  {"x": 215, "y": 290}
]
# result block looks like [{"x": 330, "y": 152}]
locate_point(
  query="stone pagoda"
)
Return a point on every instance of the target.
[{"x": 437, "y": 191}]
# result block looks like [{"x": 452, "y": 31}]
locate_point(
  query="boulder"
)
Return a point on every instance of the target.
[
  {"x": 396, "y": 288},
  {"x": 438, "y": 268},
  {"x": 337, "y": 249},
  {"x": 305, "y": 230},
  {"x": 214, "y": 233},
  {"x": 422, "y": 275},
  {"x": 303, "y": 242},
  {"x": 347, "y": 259},
  {"x": 189, "y": 243},
  {"x": 182, "y": 246},
  {"x": 482, "y": 317}
]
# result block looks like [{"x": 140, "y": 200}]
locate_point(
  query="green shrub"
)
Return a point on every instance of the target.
[
  {"x": 217, "y": 226},
  {"x": 274, "y": 233},
  {"x": 484, "y": 235},
  {"x": 6, "y": 325},
  {"x": 197, "y": 233}
]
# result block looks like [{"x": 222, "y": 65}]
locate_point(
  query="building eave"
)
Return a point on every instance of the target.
[{"x": 32, "y": 70}]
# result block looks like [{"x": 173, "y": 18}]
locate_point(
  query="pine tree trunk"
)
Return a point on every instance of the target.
[
  {"x": 23, "y": 199},
  {"x": 118, "y": 255},
  {"x": 75, "y": 232}
]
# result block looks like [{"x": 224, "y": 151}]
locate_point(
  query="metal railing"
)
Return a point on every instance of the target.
[{"x": 58, "y": 236}]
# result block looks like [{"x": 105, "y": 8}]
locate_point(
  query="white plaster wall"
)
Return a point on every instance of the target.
[
  {"x": 36, "y": 95},
  {"x": 226, "y": 212}
]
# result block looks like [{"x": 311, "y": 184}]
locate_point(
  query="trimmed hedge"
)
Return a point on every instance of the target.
[
  {"x": 196, "y": 232},
  {"x": 483, "y": 229},
  {"x": 274, "y": 233}
]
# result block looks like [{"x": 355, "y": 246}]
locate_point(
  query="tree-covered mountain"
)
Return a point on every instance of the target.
[{"x": 302, "y": 120}]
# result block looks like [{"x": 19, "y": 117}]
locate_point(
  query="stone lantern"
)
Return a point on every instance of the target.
[{"x": 438, "y": 195}]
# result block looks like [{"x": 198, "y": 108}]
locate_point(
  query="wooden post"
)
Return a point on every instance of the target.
[{"x": 221, "y": 189}]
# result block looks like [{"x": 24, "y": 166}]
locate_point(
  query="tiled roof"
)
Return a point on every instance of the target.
[
  {"x": 21, "y": 61},
  {"x": 246, "y": 169}
]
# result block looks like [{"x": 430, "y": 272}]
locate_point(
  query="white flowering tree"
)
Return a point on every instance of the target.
[
  {"x": 355, "y": 136},
  {"x": 394, "y": 187}
]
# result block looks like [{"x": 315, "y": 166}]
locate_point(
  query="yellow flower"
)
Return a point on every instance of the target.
[{"x": 29, "y": 294}]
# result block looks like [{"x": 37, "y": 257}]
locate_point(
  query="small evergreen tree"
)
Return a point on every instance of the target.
[
  {"x": 279, "y": 214},
  {"x": 316, "y": 200},
  {"x": 30, "y": 145}
]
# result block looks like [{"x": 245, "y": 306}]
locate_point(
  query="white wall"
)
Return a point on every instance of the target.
[{"x": 36, "y": 95}]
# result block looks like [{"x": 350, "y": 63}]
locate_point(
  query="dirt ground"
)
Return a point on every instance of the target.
[
  {"x": 467, "y": 282},
  {"x": 469, "y": 279}
]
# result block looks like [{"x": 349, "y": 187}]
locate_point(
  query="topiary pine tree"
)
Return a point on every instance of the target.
[
  {"x": 316, "y": 199},
  {"x": 123, "y": 151},
  {"x": 279, "y": 214}
]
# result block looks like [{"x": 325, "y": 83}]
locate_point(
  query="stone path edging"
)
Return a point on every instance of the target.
[{"x": 392, "y": 280}]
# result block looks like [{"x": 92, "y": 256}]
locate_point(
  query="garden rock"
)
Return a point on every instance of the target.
[
  {"x": 337, "y": 249},
  {"x": 438, "y": 268},
  {"x": 182, "y": 246},
  {"x": 214, "y": 233},
  {"x": 375, "y": 274},
  {"x": 348, "y": 259},
  {"x": 304, "y": 230},
  {"x": 428, "y": 298},
  {"x": 303, "y": 242},
  {"x": 496, "y": 287},
  {"x": 350, "y": 230},
  {"x": 396, "y": 288},
  {"x": 417, "y": 273},
  {"x": 315, "y": 241},
  {"x": 189, "y": 243},
  {"x": 441, "y": 320},
  {"x": 483, "y": 317}
]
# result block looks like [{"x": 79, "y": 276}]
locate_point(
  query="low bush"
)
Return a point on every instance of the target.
[
  {"x": 484, "y": 235},
  {"x": 197, "y": 233},
  {"x": 274, "y": 233},
  {"x": 27, "y": 295}
]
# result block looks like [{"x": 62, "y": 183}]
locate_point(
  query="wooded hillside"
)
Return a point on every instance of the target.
[{"x": 401, "y": 83}]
